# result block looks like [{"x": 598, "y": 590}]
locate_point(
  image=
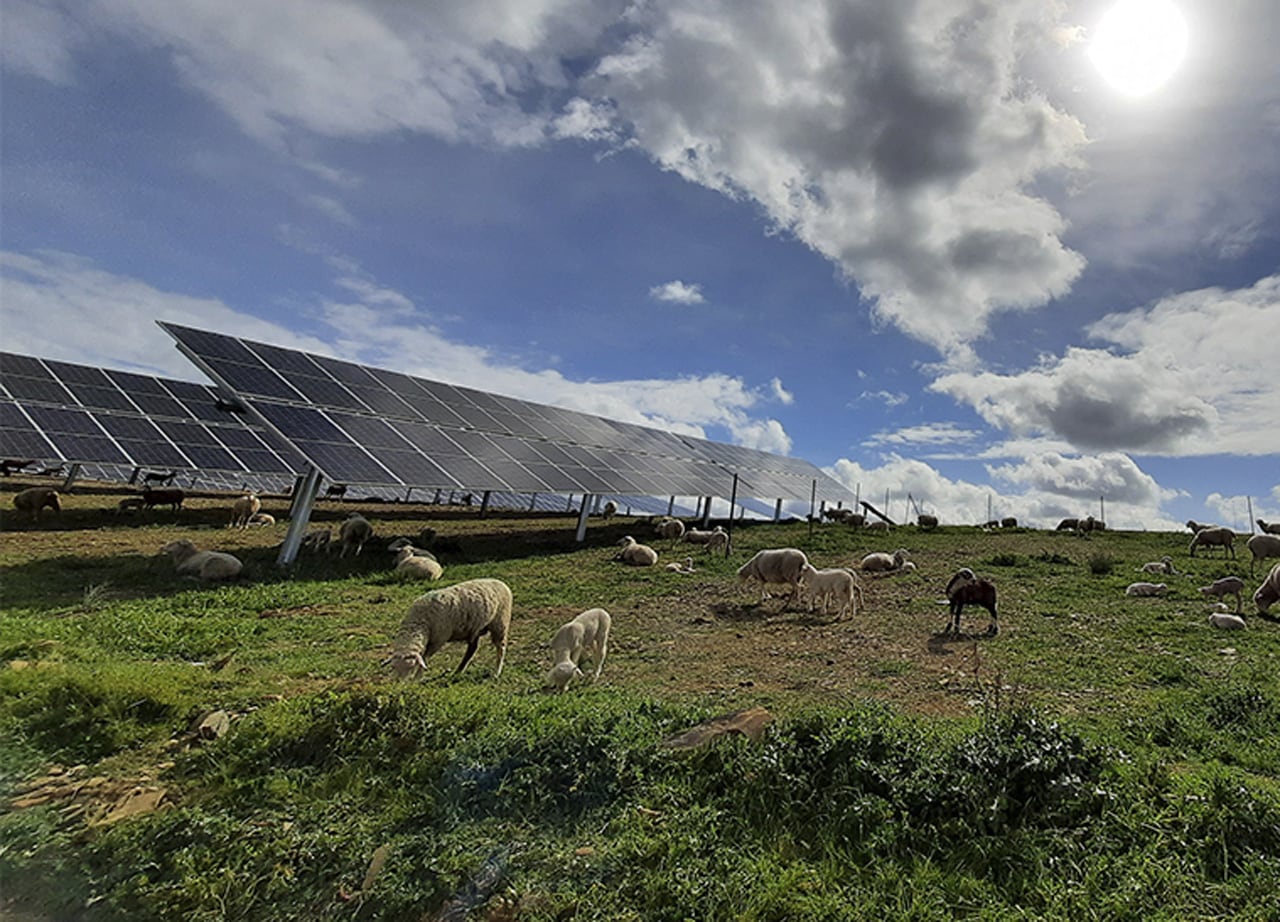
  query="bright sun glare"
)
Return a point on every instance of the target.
[{"x": 1139, "y": 44}]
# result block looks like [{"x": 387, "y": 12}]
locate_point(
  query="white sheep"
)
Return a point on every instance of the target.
[
  {"x": 880, "y": 562},
  {"x": 635, "y": 554},
  {"x": 1262, "y": 547},
  {"x": 417, "y": 564},
  {"x": 608, "y": 510},
  {"x": 698, "y": 535},
  {"x": 1220, "y": 588},
  {"x": 262, "y": 519},
  {"x": 33, "y": 499},
  {"x": 1163, "y": 565},
  {"x": 1214, "y": 536},
  {"x": 1268, "y": 593},
  {"x": 719, "y": 540},
  {"x": 561, "y": 675},
  {"x": 1146, "y": 589},
  {"x": 834, "y": 585},
  {"x": 679, "y": 567},
  {"x": 461, "y": 613},
  {"x": 784, "y": 566},
  {"x": 243, "y": 509},
  {"x": 1226, "y": 622},
  {"x": 880, "y": 527},
  {"x": 670, "y": 528},
  {"x": 207, "y": 566},
  {"x": 354, "y": 533},
  {"x": 587, "y": 634}
]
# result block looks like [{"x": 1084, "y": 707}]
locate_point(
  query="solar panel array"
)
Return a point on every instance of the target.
[
  {"x": 113, "y": 422},
  {"x": 366, "y": 425}
]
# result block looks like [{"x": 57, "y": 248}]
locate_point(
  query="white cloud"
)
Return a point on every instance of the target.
[
  {"x": 893, "y": 399},
  {"x": 677, "y": 292},
  {"x": 39, "y": 40},
  {"x": 780, "y": 393},
  {"x": 927, "y": 435}
]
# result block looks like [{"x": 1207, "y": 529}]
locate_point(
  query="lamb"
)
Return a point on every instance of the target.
[
  {"x": 609, "y": 510},
  {"x": 636, "y": 555},
  {"x": 699, "y": 536},
  {"x": 262, "y": 519},
  {"x": 317, "y": 539},
  {"x": 927, "y": 522},
  {"x": 1163, "y": 565},
  {"x": 878, "y": 527},
  {"x": 670, "y": 528},
  {"x": 676, "y": 567},
  {"x": 33, "y": 499},
  {"x": 418, "y": 564},
  {"x": 1269, "y": 528},
  {"x": 243, "y": 509},
  {"x": 834, "y": 585},
  {"x": 1214, "y": 536},
  {"x": 207, "y": 566},
  {"x": 1262, "y": 547},
  {"x": 880, "y": 562},
  {"x": 719, "y": 540},
  {"x": 561, "y": 675},
  {"x": 169, "y": 496},
  {"x": 463, "y": 612},
  {"x": 1228, "y": 585},
  {"x": 964, "y": 588},
  {"x": 1146, "y": 589},
  {"x": 587, "y": 633},
  {"x": 1226, "y": 622},
  {"x": 783, "y": 565},
  {"x": 1268, "y": 593},
  {"x": 354, "y": 533}
]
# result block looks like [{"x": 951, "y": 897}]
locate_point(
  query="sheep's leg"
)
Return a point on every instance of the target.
[
  {"x": 472, "y": 646},
  {"x": 502, "y": 656}
]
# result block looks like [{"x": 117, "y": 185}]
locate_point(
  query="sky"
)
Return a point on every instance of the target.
[{"x": 927, "y": 245}]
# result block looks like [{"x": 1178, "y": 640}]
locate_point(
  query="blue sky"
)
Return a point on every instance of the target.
[{"x": 926, "y": 246}]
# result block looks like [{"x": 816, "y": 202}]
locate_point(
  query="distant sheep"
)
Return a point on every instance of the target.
[
  {"x": 172, "y": 497},
  {"x": 1146, "y": 589},
  {"x": 1089, "y": 523},
  {"x": 635, "y": 554},
  {"x": 700, "y": 536},
  {"x": 964, "y": 588},
  {"x": 1220, "y": 588},
  {"x": 129, "y": 505},
  {"x": 262, "y": 519},
  {"x": 678, "y": 567},
  {"x": 14, "y": 465},
  {"x": 1269, "y": 528},
  {"x": 243, "y": 509},
  {"x": 1009, "y": 522},
  {"x": 1268, "y": 593},
  {"x": 207, "y": 566},
  {"x": 776, "y": 566},
  {"x": 317, "y": 539},
  {"x": 1197, "y": 526},
  {"x": 355, "y": 532},
  {"x": 1214, "y": 536},
  {"x": 462, "y": 613},
  {"x": 719, "y": 540},
  {"x": 880, "y": 562},
  {"x": 927, "y": 522},
  {"x": 1262, "y": 547},
  {"x": 877, "y": 527},
  {"x": 417, "y": 564},
  {"x": 672, "y": 529},
  {"x": 1163, "y": 565},
  {"x": 587, "y": 634},
  {"x": 851, "y": 518},
  {"x": 1068, "y": 525},
  {"x": 1226, "y": 622},
  {"x": 33, "y": 499},
  {"x": 608, "y": 510},
  {"x": 837, "y": 586}
]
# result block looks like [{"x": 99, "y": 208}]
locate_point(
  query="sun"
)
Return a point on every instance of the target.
[{"x": 1139, "y": 44}]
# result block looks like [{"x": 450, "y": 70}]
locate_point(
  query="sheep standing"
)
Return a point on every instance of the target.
[
  {"x": 1268, "y": 593},
  {"x": 462, "y": 613},
  {"x": 354, "y": 533},
  {"x": 964, "y": 588},
  {"x": 244, "y": 509},
  {"x": 784, "y": 565},
  {"x": 718, "y": 541},
  {"x": 927, "y": 522},
  {"x": 1228, "y": 585},
  {"x": 880, "y": 562},
  {"x": 418, "y": 564},
  {"x": 33, "y": 499},
  {"x": 635, "y": 554},
  {"x": 207, "y": 566},
  {"x": 608, "y": 510},
  {"x": 672, "y": 529},
  {"x": 1269, "y": 528},
  {"x": 587, "y": 634},
  {"x": 317, "y": 539},
  {"x": 835, "y": 585},
  {"x": 1214, "y": 536},
  {"x": 1262, "y": 547},
  {"x": 1009, "y": 522},
  {"x": 881, "y": 528},
  {"x": 173, "y": 497},
  {"x": 1146, "y": 589}
]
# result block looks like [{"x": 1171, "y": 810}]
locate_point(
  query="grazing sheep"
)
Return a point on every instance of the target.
[
  {"x": 964, "y": 588},
  {"x": 1262, "y": 547},
  {"x": 784, "y": 566},
  {"x": 317, "y": 539},
  {"x": 877, "y": 527},
  {"x": 129, "y": 505},
  {"x": 169, "y": 496},
  {"x": 635, "y": 554},
  {"x": 1226, "y": 622},
  {"x": 354, "y": 533},
  {"x": 243, "y": 509},
  {"x": 1220, "y": 588},
  {"x": 1089, "y": 523},
  {"x": 1214, "y": 536},
  {"x": 1163, "y": 565},
  {"x": 1269, "y": 528},
  {"x": 207, "y": 566},
  {"x": 561, "y": 675},
  {"x": 880, "y": 562},
  {"x": 33, "y": 499},
  {"x": 670, "y": 528},
  {"x": 588, "y": 634},
  {"x": 676, "y": 567},
  {"x": 262, "y": 519},
  {"x": 418, "y": 564},
  {"x": 608, "y": 510},
  {"x": 461, "y": 613},
  {"x": 1068, "y": 525},
  {"x": 1146, "y": 589},
  {"x": 834, "y": 585},
  {"x": 927, "y": 522},
  {"x": 1268, "y": 593},
  {"x": 855, "y": 519},
  {"x": 1009, "y": 522}
]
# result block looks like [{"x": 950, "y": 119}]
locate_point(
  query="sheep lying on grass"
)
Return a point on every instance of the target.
[
  {"x": 881, "y": 562},
  {"x": 964, "y": 588},
  {"x": 244, "y": 509},
  {"x": 1268, "y": 593},
  {"x": 1214, "y": 536},
  {"x": 1220, "y": 588},
  {"x": 587, "y": 634},
  {"x": 412, "y": 562},
  {"x": 262, "y": 519},
  {"x": 634, "y": 554},
  {"x": 354, "y": 533},
  {"x": 677, "y": 567},
  {"x": 1146, "y": 589},
  {"x": 32, "y": 500},
  {"x": 837, "y": 586},
  {"x": 784, "y": 565},
  {"x": 1262, "y": 547},
  {"x": 1163, "y": 565},
  {"x": 1226, "y": 622},
  {"x": 714, "y": 539},
  {"x": 207, "y": 566},
  {"x": 462, "y": 613}
]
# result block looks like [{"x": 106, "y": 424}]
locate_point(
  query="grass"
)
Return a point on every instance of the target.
[{"x": 1102, "y": 757}]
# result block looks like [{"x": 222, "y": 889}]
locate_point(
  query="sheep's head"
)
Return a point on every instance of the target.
[
  {"x": 561, "y": 675},
  {"x": 626, "y": 542},
  {"x": 405, "y": 665},
  {"x": 52, "y": 501},
  {"x": 404, "y": 553},
  {"x": 179, "y": 550}
]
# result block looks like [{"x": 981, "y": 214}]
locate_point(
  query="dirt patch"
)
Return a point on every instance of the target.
[{"x": 95, "y": 800}]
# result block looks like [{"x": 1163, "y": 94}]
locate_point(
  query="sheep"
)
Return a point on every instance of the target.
[
  {"x": 1089, "y": 523},
  {"x": 317, "y": 539},
  {"x": 964, "y": 588},
  {"x": 878, "y": 527},
  {"x": 635, "y": 554},
  {"x": 670, "y": 528},
  {"x": 14, "y": 465},
  {"x": 262, "y": 519},
  {"x": 1214, "y": 536},
  {"x": 1228, "y": 585},
  {"x": 1146, "y": 589},
  {"x": 1068, "y": 525},
  {"x": 1269, "y": 528},
  {"x": 418, "y": 564},
  {"x": 608, "y": 510},
  {"x": 784, "y": 565},
  {"x": 243, "y": 509},
  {"x": 855, "y": 520},
  {"x": 677, "y": 567},
  {"x": 463, "y": 612},
  {"x": 335, "y": 491},
  {"x": 1163, "y": 565},
  {"x": 880, "y": 562},
  {"x": 353, "y": 533},
  {"x": 834, "y": 585},
  {"x": 33, "y": 499},
  {"x": 169, "y": 496},
  {"x": 1269, "y": 592},
  {"x": 207, "y": 566},
  {"x": 1226, "y": 622},
  {"x": 927, "y": 522},
  {"x": 1009, "y": 522},
  {"x": 129, "y": 505},
  {"x": 587, "y": 633},
  {"x": 561, "y": 675},
  {"x": 699, "y": 536},
  {"x": 164, "y": 477},
  {"x": 1262, "y": 547},
  {"x": 719, "y": 540}
]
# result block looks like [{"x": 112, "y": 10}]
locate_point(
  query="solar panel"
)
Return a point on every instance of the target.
[{"x": 377, "y": 427}]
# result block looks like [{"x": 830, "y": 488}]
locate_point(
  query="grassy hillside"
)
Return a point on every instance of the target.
[{"x": 1102, "y": 757}]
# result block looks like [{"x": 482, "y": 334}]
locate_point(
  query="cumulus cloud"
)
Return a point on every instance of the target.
[
  {"x": 780, "y": 393},
  {"x": 890, "y": 399},
  {"x": 677, "y": 292}
]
